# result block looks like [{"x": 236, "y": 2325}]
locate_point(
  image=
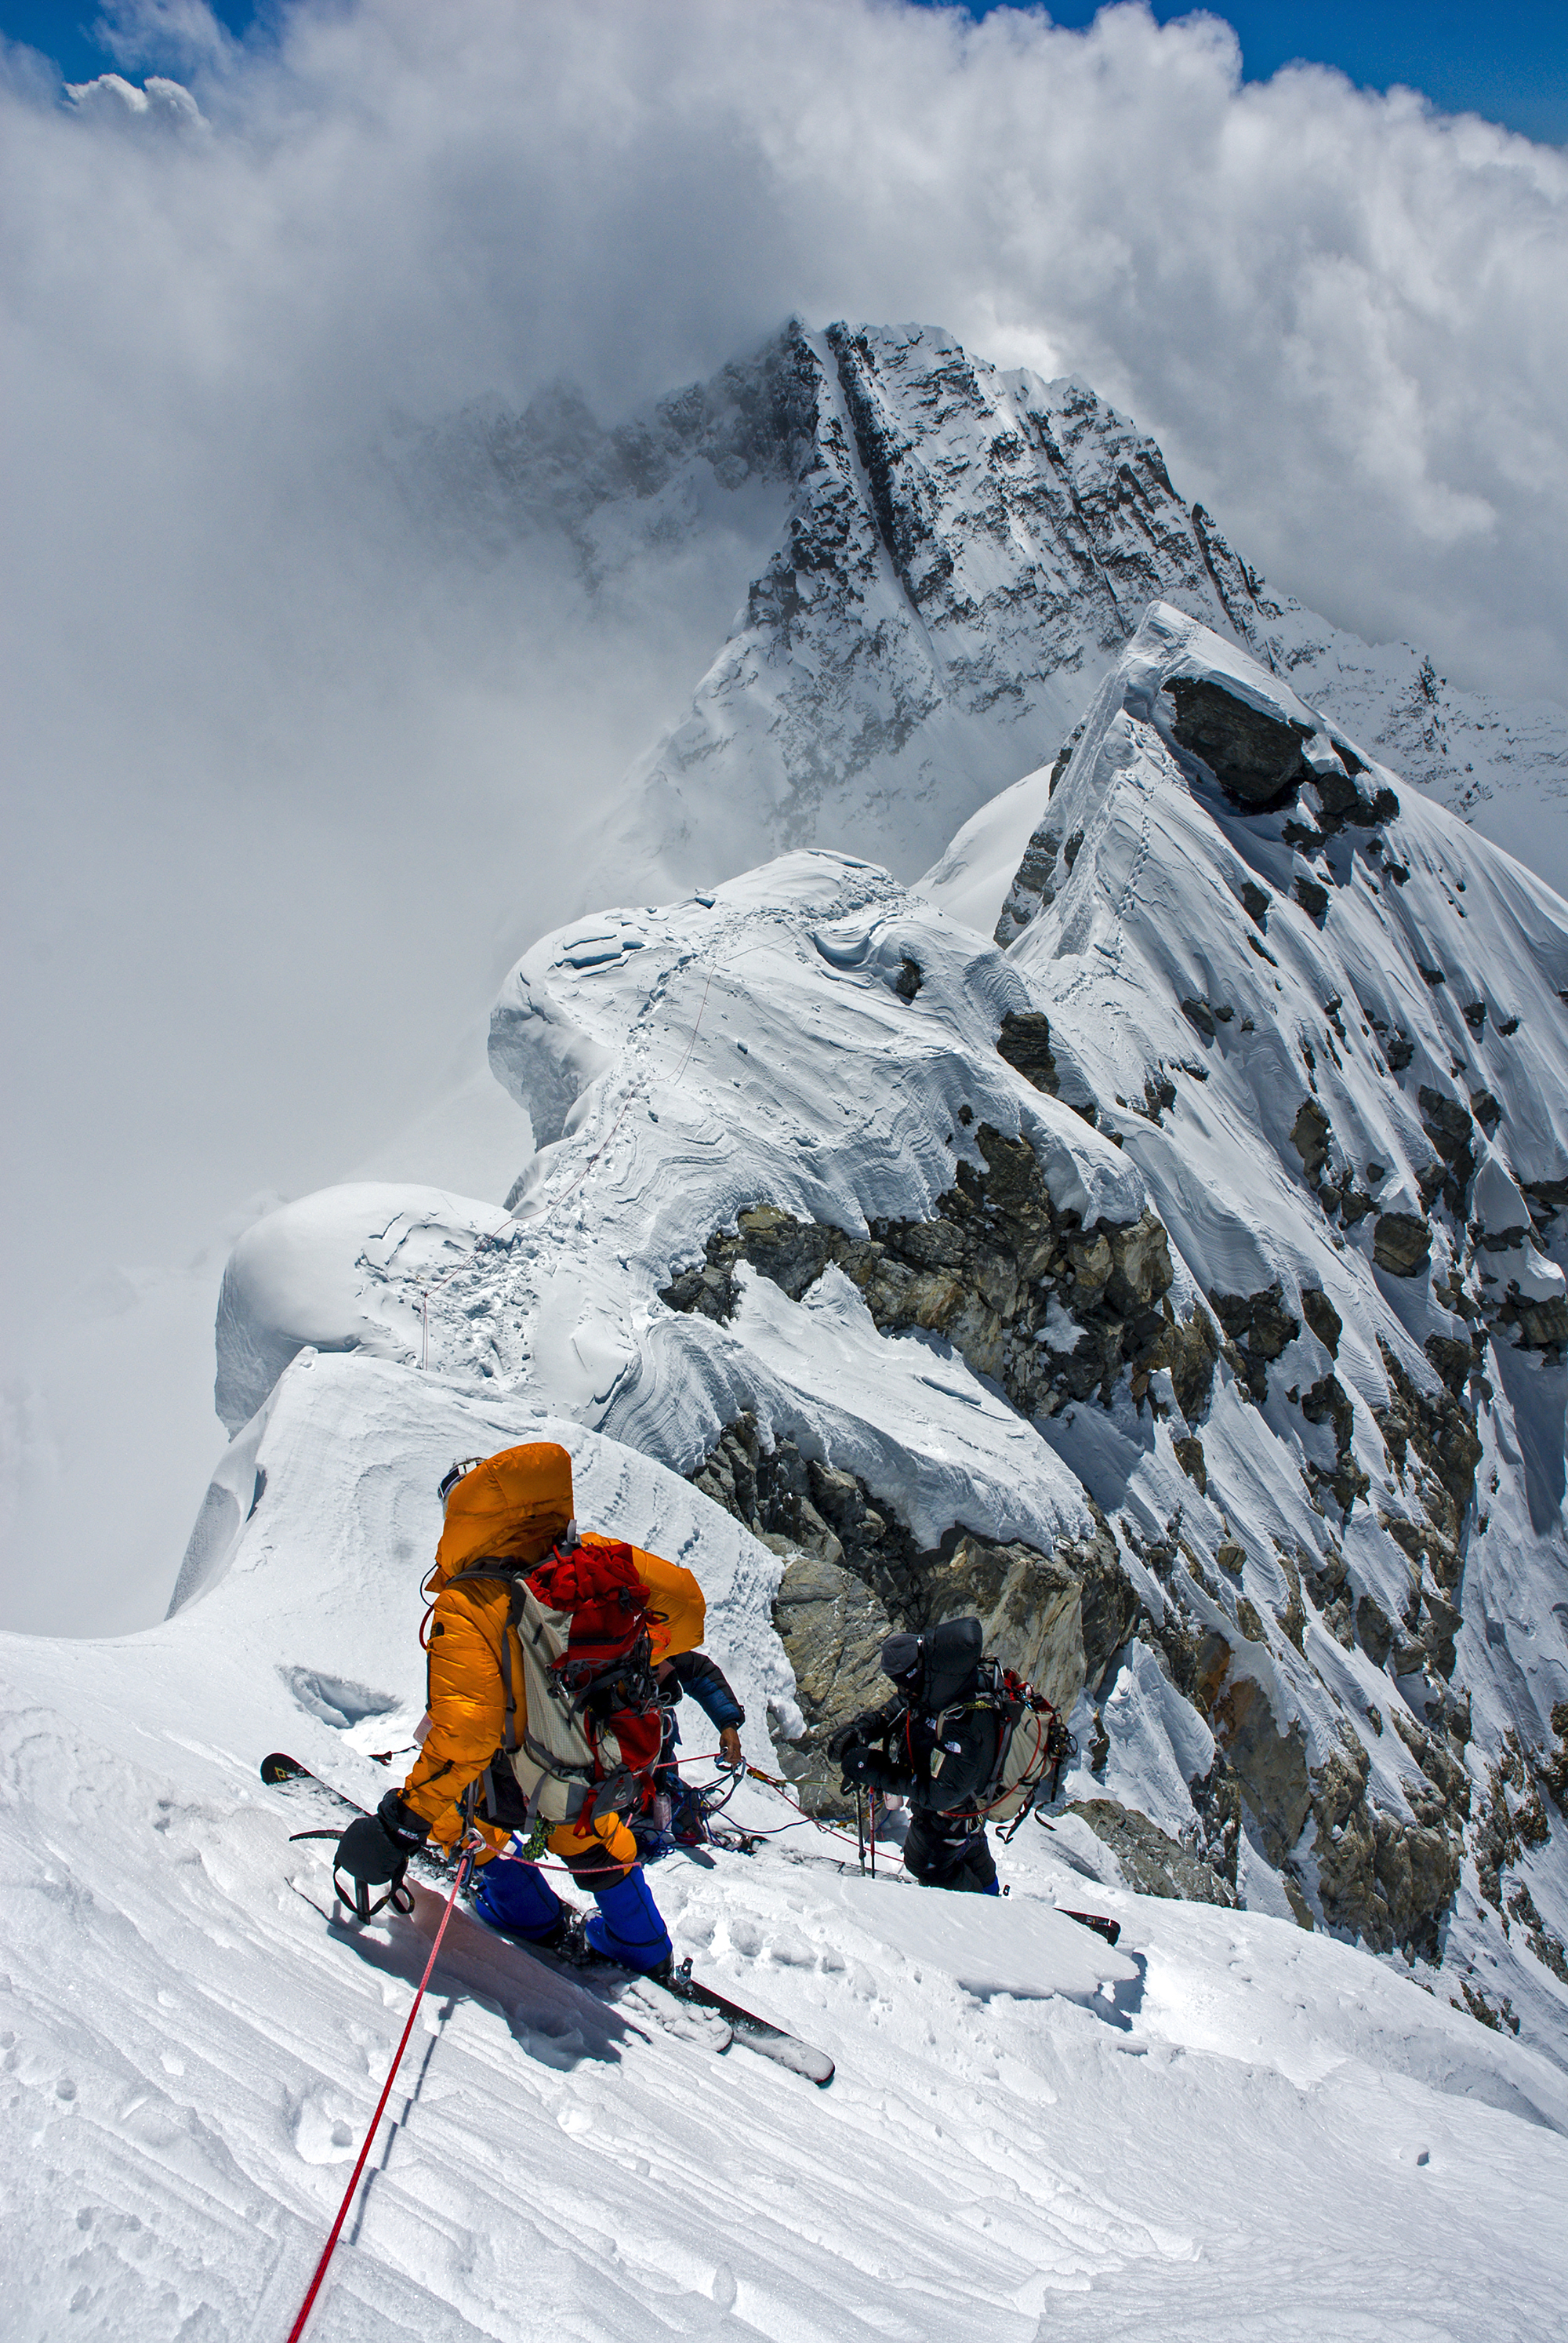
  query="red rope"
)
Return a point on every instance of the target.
[{"x": 297, "y": 2329}]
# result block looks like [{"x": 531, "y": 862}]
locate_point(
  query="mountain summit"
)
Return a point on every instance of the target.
[{"x": 945, "y": 560}]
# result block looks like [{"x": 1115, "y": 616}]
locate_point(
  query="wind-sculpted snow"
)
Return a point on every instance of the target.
[
  {"x": 1310, "y": 1458},
  {"x": 306, "y": 1274},
  {"x": 761, "y": 1052}
]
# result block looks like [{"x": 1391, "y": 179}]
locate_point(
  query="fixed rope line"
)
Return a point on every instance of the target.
[{"x": 297, "y": 2329}]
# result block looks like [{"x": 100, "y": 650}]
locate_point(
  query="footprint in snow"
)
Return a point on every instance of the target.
[{"x": 320, "y": 2135}]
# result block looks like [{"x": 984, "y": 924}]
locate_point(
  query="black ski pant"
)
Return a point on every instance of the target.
[{"x": 949, "y": 1851}]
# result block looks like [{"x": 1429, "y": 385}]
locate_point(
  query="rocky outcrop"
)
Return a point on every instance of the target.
[
  {"x": 1328, "y": 1402},
  {"x": 1152, "y": 1863},
  {"x": 1269, "y": 1767},
  {"x": 1253, "y": 757},
  {"x": 1381, "y": 1878},
  {"x": 1033, "y": 886},
  {"x": 1402, "y": 1244},
  {"x": 1440, "y": 1430},
  {"x": 1322, "y": 1317},
  {"x": 1050, "y": 1311},
  {"x": 1025, "y": 1042},
  {"x": 1260, "y": 761},
  {"x": 1259, "y": 1327},
  {"x": 1452, "y": 1131},
  {"x": 853, "y": 1575}
]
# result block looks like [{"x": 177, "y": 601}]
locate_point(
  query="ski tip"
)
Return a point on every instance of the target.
[
  {"x": 276, "y": 1767},
  {"x": 1109, "y": 1929}
]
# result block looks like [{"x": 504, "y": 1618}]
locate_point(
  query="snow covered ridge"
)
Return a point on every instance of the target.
[
  {"x": 1182, "y": 1289},
  {"x": 878, "y": 1272},
  {"x": 939, "y": 562},
  {"x": 1328, "y": 1025}
]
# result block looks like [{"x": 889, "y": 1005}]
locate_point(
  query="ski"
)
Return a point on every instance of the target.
[
  {"x": 758, "y": 2033},
  {"x": 279, "y": 1771},
  {"x": 1109, "y": 1929},
  {"x": 284, "y": 1773},
  {"x": 653, "y": 1996}
]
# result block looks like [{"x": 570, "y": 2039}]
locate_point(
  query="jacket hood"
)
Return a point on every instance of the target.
[{"x": 514, "y": 1507}]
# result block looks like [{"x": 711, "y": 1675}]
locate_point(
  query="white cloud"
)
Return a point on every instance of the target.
[
  {"x": 160, "y": 104},
  {"x": 281, "y": 784}
]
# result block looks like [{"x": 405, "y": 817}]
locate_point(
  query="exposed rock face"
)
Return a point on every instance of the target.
[
  {"x": 1260, "y": 1327},
  {"x": 950, "y": 557},
  {"x": 1310, "y": 1136},
  {"x": 853, "y": 1575},
  {"x": 1262, "y": 762},
  {"x": 1025, "y": 1042},
  {"x": 1328, "y": 1402},
  {"x": 1442, "y": 1434},
  {"x": 1322, "y": 1317},
  {"x": 1379, "y": 1876},
  {"x": 1052, "y": 1311},
  {"x": 1270, "y": 1766},
  {"x": 963, "y": 550},
  {"x": 1253, "y": 756},
  {"x": 1402, "y": 1244},
  {"x": 1152, "y": 1862},
  {"x": 1033, "y": 886},
  {"x": 1452, "y": 1131}
]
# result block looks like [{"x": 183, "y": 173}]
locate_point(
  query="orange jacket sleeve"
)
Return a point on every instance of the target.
[{"x": 467, "y": 1701}]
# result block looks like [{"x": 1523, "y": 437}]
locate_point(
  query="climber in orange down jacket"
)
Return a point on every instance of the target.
[{"x": 513, "y": 1510}]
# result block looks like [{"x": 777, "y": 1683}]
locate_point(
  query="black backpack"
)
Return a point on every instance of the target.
[{"x": 997, "y": 1740}]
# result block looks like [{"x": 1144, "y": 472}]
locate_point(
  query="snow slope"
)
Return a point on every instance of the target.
[
  {"x": 917, "y": 569},
  {"x": 1223, "y": 971},
  {"x": 1182, "y": 1286},
  {"x": 190, "y": 2048}
]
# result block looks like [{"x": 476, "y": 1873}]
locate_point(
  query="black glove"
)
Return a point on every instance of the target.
[
  {"x": 860, "y": 1728},
  {"x": 402, "y": 1826},
  {"x": 861, "y": 1766},
  {"x": 373, "y": 1852}
]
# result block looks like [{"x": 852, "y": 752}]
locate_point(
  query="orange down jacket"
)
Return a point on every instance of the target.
[{"x": 513, "y": 1508}]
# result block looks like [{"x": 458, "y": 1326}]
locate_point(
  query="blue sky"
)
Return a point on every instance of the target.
[{"x": 1508, "y": 62}]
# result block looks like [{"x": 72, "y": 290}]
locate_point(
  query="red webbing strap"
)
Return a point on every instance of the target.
[{"x": 297, "y": 2329}]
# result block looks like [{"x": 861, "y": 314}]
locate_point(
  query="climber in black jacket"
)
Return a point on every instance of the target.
[{"x": 929, "y": 1746}]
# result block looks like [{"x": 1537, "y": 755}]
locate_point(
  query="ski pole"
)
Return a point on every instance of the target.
[
  {"x": 871, "y": 1827},
  {"x": 297, "y": 2329},
  {"x": 860, "y": 1825}
]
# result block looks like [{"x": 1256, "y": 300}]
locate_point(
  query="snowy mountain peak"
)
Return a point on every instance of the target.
[{"x": 964, "y": 550}]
